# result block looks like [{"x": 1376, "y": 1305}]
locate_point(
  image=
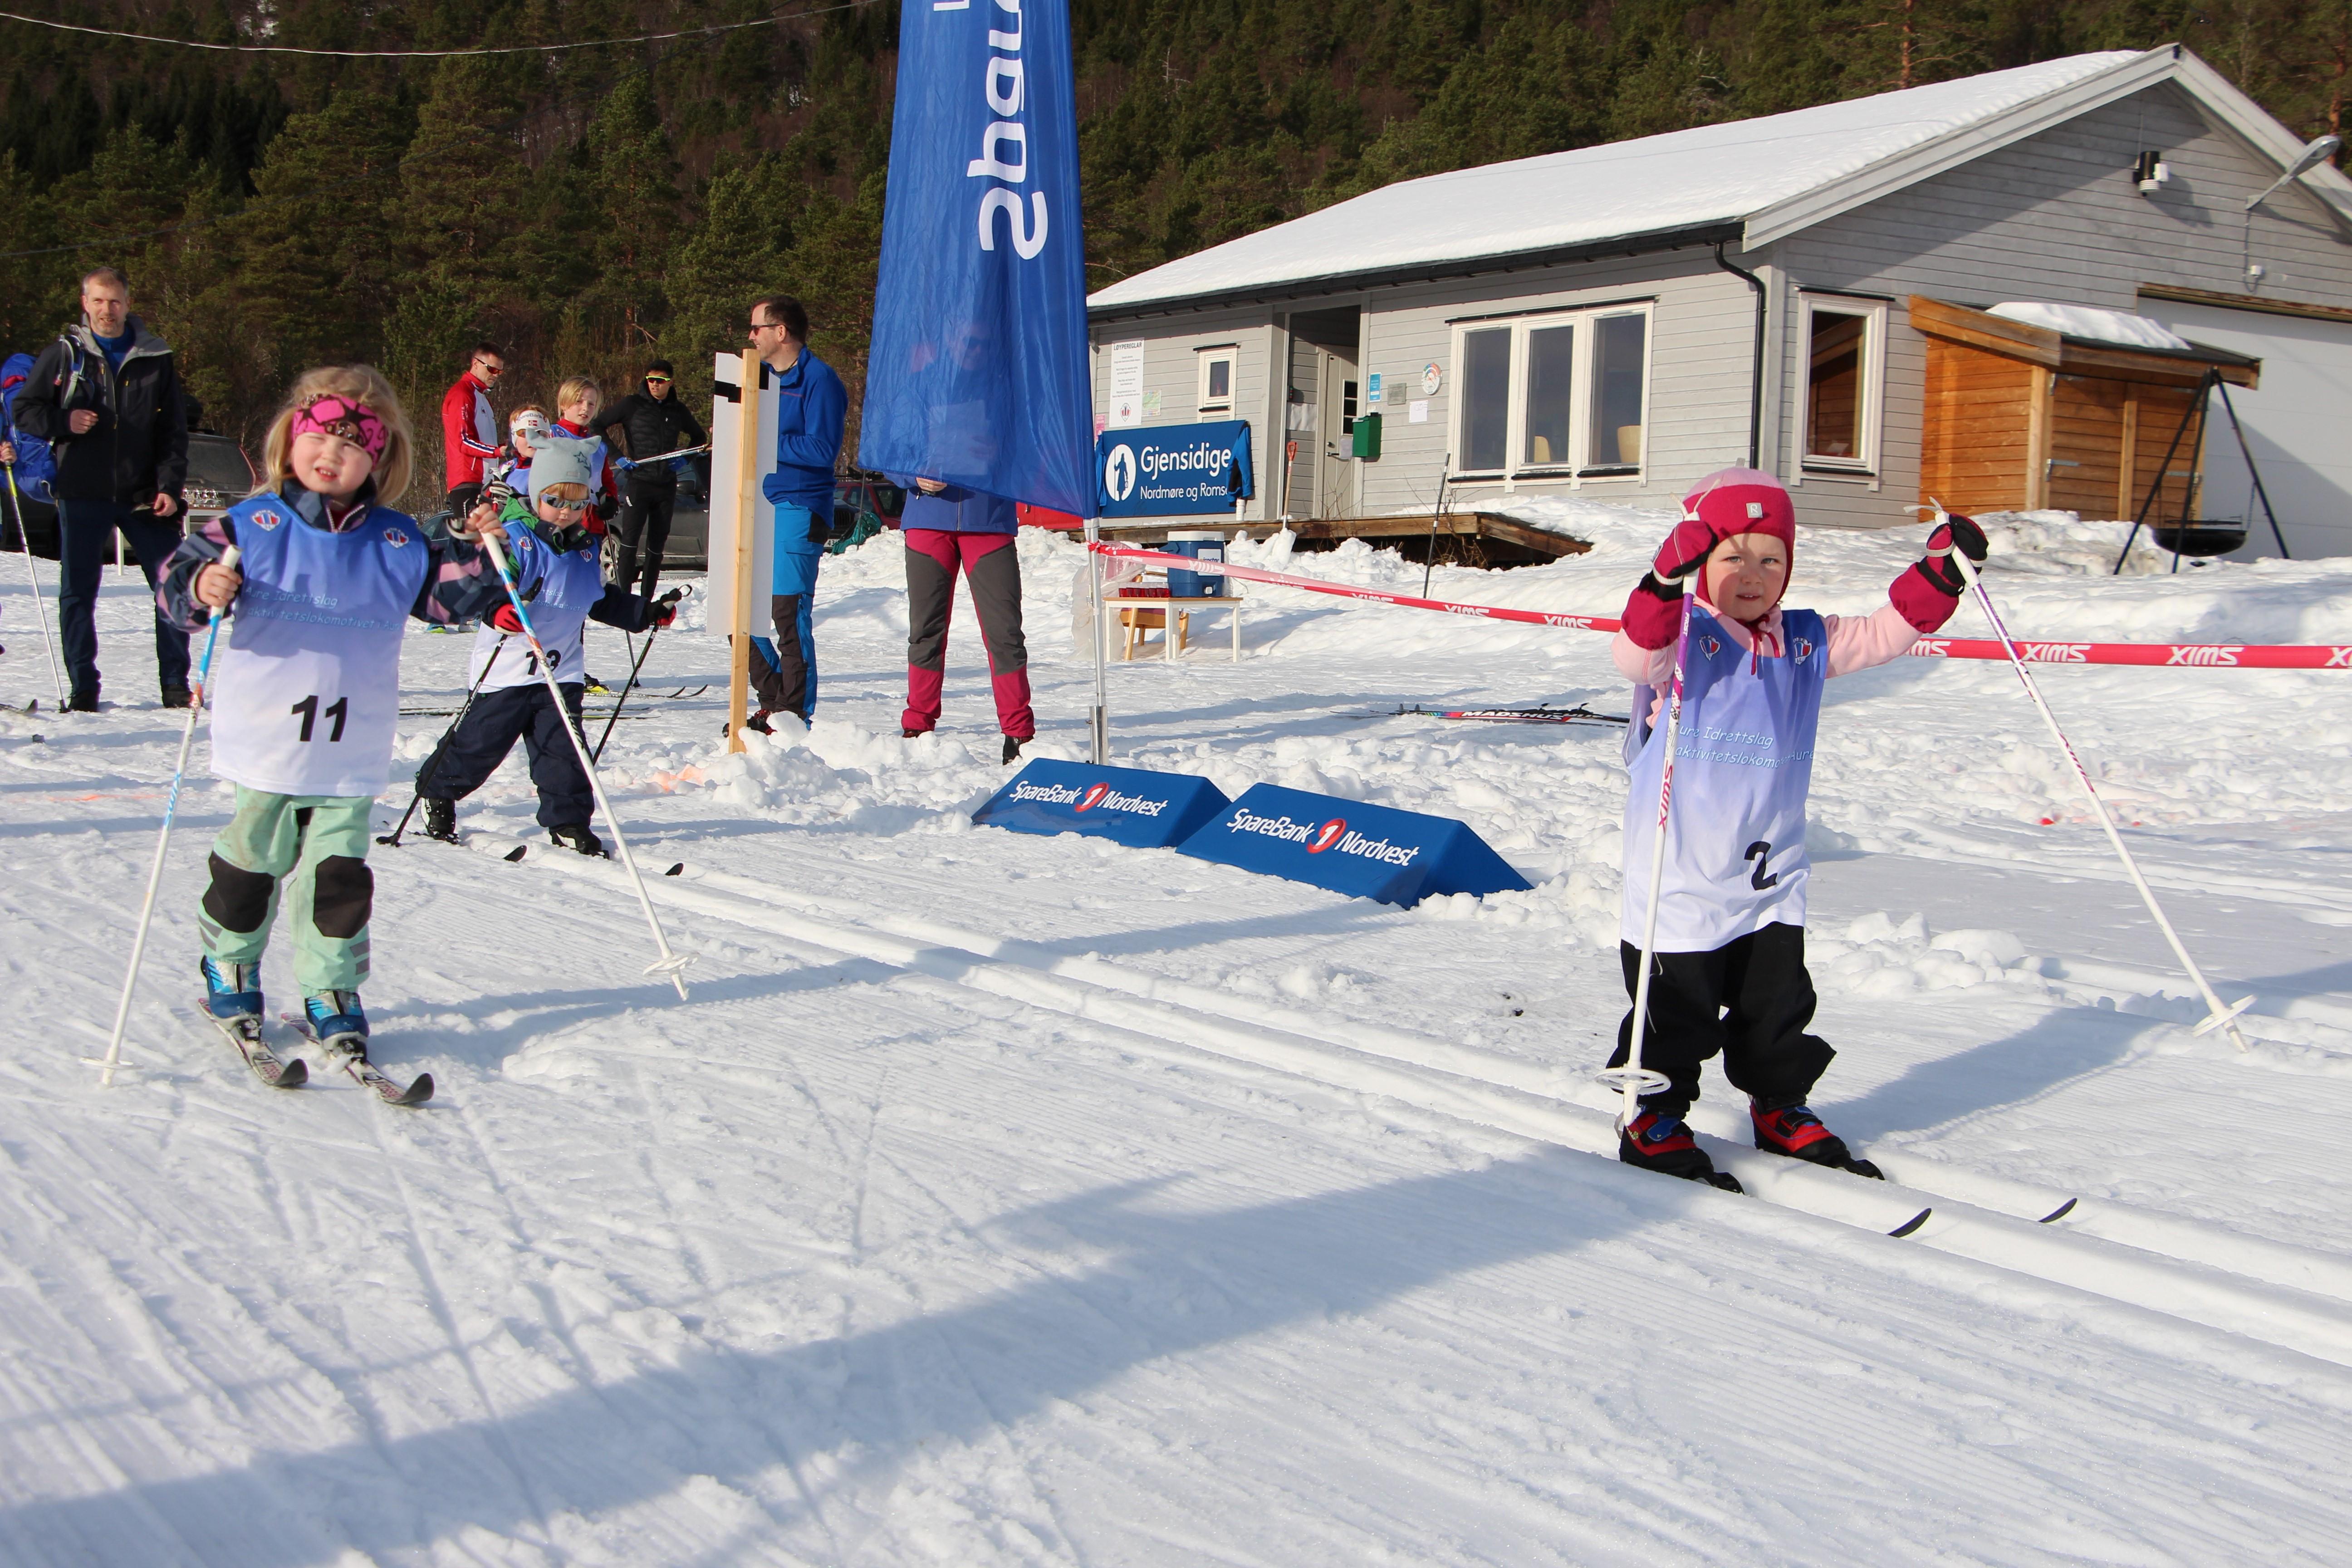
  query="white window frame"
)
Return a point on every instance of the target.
[
  {"x": 1571, "y": 470},
  {"x": 1864, "y": 464},
  {"x": 1230, "y": 355}
]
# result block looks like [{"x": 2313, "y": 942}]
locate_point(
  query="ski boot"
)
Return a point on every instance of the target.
[
  {"x": 441, "y": 820},
  {"x": 232, "y": 990},
  {"x": 1792, "y": 1130},
  {"x": 578, "y": 836},
  {"x": 177, "y": 695},
  {"x": 336, "y": 1022},
  {"x": 1656, "y": 1141},
  {"x": 1012, "y": 750}
]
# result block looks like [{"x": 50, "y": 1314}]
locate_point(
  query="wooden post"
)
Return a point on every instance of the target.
[
  {"x": 2128, "y": 479},
  {"x": 2039, "y": 383},
  {"x": 748, "y": 497}
]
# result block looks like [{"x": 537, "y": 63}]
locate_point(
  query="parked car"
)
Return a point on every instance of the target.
[
  {"x": 863, "y": 505},
  {"x": 220, "y": 475}
]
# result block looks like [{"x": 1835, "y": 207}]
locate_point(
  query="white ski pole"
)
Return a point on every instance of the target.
[
  {"x": 1634, "y": 1079},
  {"x": 669, "y": 964},
  {"x": 2218, "y": 1016},
  {"x": 163, "y": 840},
  {"x": 33, "y": 576}
]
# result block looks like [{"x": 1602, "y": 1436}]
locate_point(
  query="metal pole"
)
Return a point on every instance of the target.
[
  {"x": 2256, "y": 474},
  {"x": 1430, "y": 564},
  {"x": 1099, "y": 737},
  {"x": 33, "y": 576},
  {"x": 163, "y": 840},
  {"x": 669, "y": 964},
  {"x": 1634, "y": 1079}
]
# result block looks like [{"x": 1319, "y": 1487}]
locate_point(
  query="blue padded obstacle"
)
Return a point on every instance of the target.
[
  {"x": 1129, "y": 806},
  {"x": 1370, "y": 851}
]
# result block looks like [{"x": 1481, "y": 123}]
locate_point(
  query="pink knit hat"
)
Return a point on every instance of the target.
[{"x": 1742, "y": 500}]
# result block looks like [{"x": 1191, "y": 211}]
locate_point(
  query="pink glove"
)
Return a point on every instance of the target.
[
  {"x": 1928, "y": 590},
  {"x": 1686, "y": 550},
  {"x": 1653, "y": 614}
]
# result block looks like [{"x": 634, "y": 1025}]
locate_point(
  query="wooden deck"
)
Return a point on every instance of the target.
[{"x": 1468, "y": 538}]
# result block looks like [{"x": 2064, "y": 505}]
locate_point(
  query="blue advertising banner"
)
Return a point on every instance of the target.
[
  {"x": 1165, "y": 469},
  {"x": 1130, "y": 806},
  {"x": 1370, "y": 851},
  {"x": 978, "y": 373}
]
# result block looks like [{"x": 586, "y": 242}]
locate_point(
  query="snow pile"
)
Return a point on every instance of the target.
[{"x": 2092, "y": 324}]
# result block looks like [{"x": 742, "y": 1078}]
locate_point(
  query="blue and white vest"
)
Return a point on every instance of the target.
[
  {"x": 1743, "y": 764},
  {"x": 568, "y": 586},
  {"x": 306, "y": 695}
]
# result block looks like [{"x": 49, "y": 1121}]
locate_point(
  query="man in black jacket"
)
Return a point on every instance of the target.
[
  {"x": 107, "y": 397},
  {"x": 651, "y": 421}
]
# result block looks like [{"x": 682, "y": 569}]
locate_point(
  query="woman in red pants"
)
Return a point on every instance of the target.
[{"x": 950, "y": 528}]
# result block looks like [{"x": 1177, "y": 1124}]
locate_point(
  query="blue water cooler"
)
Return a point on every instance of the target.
[{"x": 1202, "y": 546}]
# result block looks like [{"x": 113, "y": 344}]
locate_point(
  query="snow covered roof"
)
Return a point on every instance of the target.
[
  {"x": 1749, "y": 182},
  {"x": 2091, "y": 324}
]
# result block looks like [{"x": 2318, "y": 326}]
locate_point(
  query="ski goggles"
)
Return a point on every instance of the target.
[{"x": 346, "y": 420}]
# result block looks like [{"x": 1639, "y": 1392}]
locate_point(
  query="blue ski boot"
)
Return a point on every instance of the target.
[
  {"x": 232, "y": 990},
  {"x": 337, "y": 1023}
]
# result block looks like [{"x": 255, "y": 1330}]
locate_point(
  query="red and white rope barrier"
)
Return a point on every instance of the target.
[{"x": 2208, "y": 656}]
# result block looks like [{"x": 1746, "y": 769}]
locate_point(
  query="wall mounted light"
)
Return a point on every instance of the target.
[
  {"x": 2310, "y": 158},
  {"x": 2151, "y": 172}
]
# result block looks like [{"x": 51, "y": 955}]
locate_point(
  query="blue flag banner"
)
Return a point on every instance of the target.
[
  {"x": 1163, "y": 470},
  {"x": 978, "y": 370},
  {"x": 1129, "y": 806},
  {"x": 1370, "y": 851}
]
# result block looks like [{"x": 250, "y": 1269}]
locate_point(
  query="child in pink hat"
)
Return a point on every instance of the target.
[{"x": 1728, "y": 974}]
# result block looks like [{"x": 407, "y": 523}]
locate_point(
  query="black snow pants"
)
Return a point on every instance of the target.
[
  {"x": 1751, "y": 999},
  {"x": 488, "y": 732}
]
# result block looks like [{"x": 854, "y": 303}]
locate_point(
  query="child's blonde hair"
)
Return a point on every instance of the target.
[
  {"x": 576, "y": 388},
  {"x": 358, "y": 384}
]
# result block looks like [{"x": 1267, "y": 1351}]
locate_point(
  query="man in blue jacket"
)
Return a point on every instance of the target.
[{"x": 810, "y": 406}]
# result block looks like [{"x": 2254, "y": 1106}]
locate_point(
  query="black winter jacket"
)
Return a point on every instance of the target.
[
  {"x": 139, "y": 444},
  {"x": 653, "y": 426}
]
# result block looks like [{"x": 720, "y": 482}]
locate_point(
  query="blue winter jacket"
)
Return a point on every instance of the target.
[
  {"x": 956, "y": 509},
  {"x": 810, "y": 406}
]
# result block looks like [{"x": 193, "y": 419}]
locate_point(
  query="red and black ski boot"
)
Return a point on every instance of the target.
[
  {"x": 1796, "y": 1131},
  {"x": 1657, "y": 1141}
]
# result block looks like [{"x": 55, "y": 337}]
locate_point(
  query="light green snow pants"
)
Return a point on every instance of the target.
[{"x": 317, "y": 843}]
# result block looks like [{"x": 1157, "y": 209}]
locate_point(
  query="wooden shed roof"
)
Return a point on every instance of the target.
[{"x": 2078, "y": 356}]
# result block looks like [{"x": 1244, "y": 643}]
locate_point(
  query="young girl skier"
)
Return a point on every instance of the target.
[
  {"x": 554, "y": 556},
  {"x": 1728, "y": 974},
  {"x": 306, "y": 696}
]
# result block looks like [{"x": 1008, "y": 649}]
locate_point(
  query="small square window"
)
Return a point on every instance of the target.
[
  {"x": 1844, "y": 370},
  {"x": 1217, "y": 382}
]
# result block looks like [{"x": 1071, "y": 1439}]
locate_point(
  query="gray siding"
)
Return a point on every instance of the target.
[
  {"x": 1172, "y": 368},
  {"x": 2057, "y": 217}
]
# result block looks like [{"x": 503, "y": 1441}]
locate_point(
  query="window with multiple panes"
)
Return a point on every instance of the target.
[
  {"x": 1560, "y": 395},
  {"x": 1217, "y": 382},
  {"x": 1844, "y": 371}
]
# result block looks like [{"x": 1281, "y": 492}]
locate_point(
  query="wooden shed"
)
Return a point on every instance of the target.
[{"x": 2019, "y": 416}]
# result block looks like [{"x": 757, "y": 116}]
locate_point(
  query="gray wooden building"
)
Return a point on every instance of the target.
[{"x": 1614, "y": 322}]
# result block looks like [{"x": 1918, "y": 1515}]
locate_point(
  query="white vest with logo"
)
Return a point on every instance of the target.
[
  {"x": 1743, "y": 765},
  {"x": 568, "y": 586},
  {"x": 306, "y": 691}
]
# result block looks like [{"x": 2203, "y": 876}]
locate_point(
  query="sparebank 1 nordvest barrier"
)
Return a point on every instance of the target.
[
  {"x": 1129, "y": 806},
  {"x": 1370, "y": 851}
]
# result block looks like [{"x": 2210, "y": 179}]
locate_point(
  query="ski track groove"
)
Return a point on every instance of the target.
[{"x": 717, "y": 902}]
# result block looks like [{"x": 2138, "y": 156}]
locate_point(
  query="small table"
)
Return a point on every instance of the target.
[{"x": 1172, "y": 637}]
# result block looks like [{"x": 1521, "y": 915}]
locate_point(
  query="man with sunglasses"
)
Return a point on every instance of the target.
[
  {"x": 810, "y": 406},
  {"x": 650, "y": 421},
  {"x": 469, "y": 428}
]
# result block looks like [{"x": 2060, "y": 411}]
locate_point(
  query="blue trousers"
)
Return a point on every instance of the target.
[
  {"x": 784, "y": 672},
  {"x": 84, "y": 528},
  {"x": 473, "y": 749}
]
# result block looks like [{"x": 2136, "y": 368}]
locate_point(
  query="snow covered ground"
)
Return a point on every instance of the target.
[{"x": 1007, "y": 1200}]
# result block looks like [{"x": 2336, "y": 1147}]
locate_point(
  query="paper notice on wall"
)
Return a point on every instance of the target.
[
  {"x": 1125, "y": 385},
  {"x": 1151, "y": 403},
  {"x": 1417, "y": 411},
  {"x": 1302, "y": 417},
  {"x": 1372, "y": 387}
]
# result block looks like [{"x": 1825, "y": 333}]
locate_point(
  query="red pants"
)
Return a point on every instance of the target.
[{"x": 992, "y": 569}]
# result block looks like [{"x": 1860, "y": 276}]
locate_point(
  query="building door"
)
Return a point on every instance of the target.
[
  {"x": 1339, "y": 395},
  {"x": 2293, "y": 423}
]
